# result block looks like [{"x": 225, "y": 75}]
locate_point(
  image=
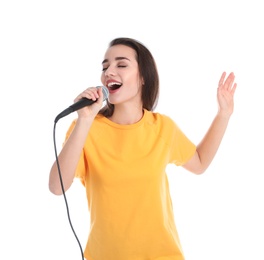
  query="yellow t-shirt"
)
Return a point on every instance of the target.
[{"x": 123, "y": 170}]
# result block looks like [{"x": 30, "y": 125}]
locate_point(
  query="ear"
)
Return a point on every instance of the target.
[{"x": 142, "y": 81}]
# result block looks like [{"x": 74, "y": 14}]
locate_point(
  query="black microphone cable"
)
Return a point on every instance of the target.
[
  {"x": 62, "y": 187},
  {"x": 78, "y": 105}
]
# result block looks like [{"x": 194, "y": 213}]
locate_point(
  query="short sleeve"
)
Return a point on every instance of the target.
[{"x": 182, "y": 148}]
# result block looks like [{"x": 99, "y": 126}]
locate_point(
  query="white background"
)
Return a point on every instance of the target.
[{"x": 52, "y": 50}]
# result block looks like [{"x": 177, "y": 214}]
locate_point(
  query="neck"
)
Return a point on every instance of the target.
[{"x": 127, "y": 116}]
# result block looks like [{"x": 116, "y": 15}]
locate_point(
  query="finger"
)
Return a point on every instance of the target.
[
  {"x": 100, "y": 94},
  {"x": 90, "y": 93},
  {"x": 221, "y": 81},
  {"x": 234, "y": 88},
  {"x": 230, "y": 81}
]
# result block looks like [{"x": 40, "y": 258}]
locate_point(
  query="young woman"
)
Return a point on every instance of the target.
[{"x": 120, "y": 153}]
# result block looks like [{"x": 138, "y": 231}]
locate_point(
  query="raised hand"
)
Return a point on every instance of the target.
[{"x": 225, "y": 94}]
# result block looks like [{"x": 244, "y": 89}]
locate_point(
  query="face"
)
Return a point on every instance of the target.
[{"x": 120, "y": 75}]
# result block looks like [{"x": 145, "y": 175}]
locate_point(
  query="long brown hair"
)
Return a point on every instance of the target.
[{"x": 148, "y": 72}]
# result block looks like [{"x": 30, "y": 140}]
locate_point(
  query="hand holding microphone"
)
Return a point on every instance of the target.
[{"x": 89, "y": 97}]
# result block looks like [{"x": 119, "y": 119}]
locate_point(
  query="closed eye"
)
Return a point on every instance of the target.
[{"x": 119, "y": 66}]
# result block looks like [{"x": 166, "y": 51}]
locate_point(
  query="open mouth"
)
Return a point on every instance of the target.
[{"x": 114, "y": 85}]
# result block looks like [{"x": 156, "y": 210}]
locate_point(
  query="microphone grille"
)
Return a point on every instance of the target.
[{"x": 105, "y": 91}]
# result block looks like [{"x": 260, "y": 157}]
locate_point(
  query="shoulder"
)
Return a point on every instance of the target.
[{"x": 159, "y": 119}]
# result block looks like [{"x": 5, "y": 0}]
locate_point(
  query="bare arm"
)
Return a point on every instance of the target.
[
  {"x": 71, "y": 151},
  {"x": 207, "y": 148}
]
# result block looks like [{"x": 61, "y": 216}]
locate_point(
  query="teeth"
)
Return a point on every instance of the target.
[{"x": 113, "y": 83}]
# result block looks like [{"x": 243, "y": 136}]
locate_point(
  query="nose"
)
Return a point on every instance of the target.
[{"x": 110, "y": 71}]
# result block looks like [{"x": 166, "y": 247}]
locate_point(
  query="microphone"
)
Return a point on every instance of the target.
[{"x": 80, "y": 104}]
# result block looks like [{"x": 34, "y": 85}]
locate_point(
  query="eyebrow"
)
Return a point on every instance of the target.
[{"x": 117, "y": 58}]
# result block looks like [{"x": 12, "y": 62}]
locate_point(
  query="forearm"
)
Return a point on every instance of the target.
[
  {"x": 209, "y": 145},
  {"x": 69, "y": 157}
]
